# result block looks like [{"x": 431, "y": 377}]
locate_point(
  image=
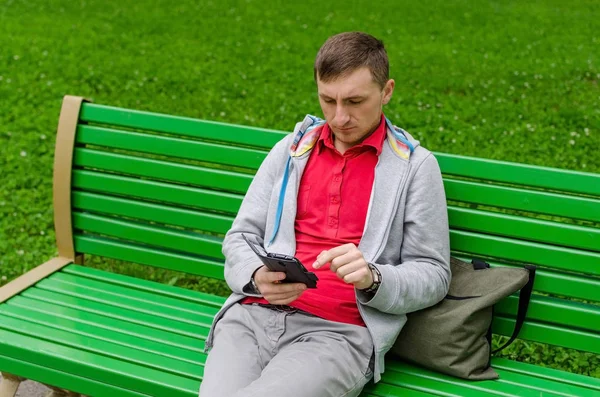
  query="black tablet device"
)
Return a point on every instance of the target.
[{"x": 294, "y": 271}]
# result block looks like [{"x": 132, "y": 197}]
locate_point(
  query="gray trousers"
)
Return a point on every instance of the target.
[{"x": 265, "y": 352}]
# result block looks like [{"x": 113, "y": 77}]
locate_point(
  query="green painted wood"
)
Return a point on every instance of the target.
[
  {"x": 382, "y": 389},
  {"x": 167, "y": 360},
  {"x": 142, "y": 299},
  {"x": 64, "y": 380},
  {"x": 144, "y": 285},
  {"x": 184, "y": 241},
  {"x": 572, "y": 338},
  {"x": 530, "y": 229},
  {"x": 555, "y": 311},
  {"x": 520, "y": 174},
  {"x": 159, "y": 191},
  {"x": 184, "y": 126},
  {"x": 163, "y": 170},
  {"x": 527, "y": 252},
  {"x": 161, "y": 145},
  {"x": 147, "y": 256},
  {"x": 118, "y": 298},
  {"x": 555, "y": 282},
  {"x": 95, "y": 366},
  {"x": 446, "y": 386},
  {"x": 546, "y": 374},
  {"x": 529, "y": 379},
  {"x": 160, "y": 213},
  {"x": 66, "y": 318},
  {"x": 128, "y": 315},
  {"x": 520, "y": 199}
]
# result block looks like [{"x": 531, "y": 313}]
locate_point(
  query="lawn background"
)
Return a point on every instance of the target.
[{"x": 508, "y": 80}]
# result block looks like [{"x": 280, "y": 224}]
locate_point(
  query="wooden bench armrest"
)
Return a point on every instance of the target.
[{"x": 34, "y": 275}]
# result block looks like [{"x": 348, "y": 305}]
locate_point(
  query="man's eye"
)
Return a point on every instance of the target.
[
  {"x": 329, "y": 101},
  {"x": 355, "y": 102}
]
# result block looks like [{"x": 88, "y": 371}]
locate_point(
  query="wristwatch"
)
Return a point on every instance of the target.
[
  {"x": 376, "y": 280},
  {"x": 253, "y": 287}
]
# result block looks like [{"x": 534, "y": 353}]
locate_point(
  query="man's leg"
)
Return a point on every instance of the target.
[
  {"x": 316, "y": 357},
  {"x": 234, "y": 360}
]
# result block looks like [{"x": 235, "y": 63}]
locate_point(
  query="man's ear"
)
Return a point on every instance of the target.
[{"x": 388, "y": 90}]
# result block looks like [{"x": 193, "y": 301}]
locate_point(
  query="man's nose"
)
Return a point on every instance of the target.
[{"x": 341, "y": 116}]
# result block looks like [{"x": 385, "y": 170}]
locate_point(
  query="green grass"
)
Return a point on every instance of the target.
[{"x": 508, "y": 80}]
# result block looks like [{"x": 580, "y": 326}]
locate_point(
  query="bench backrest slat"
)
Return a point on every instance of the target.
[
  {"x": 163, "y": 170},
  {"x": 555, "y": 204},
  {"x": 524, "y": 251},
  {"x": 151, "y": 212},
  {"x": 182, "y": 126},
  {"x": 520, "y": 174},
  {"x": 523, "y": 228},
  {"x": 130, "y": 252},
  {"x": 160, "y": 145},
  {"x": 163, "y": 190},
  {"x": 154, "y": 190}
]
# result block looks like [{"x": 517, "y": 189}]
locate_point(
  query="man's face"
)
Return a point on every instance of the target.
[{"x": 352, "y": 106}]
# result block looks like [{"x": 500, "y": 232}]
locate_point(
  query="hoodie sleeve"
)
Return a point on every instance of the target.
[
  {"x": 240, "y": 261},
  {"x": 423, "y": 277}
]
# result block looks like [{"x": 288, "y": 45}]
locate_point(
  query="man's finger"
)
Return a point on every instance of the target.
[
  {"x": 327, "y": 256},
  {"x": 275, "y": 289},
  {"x": 350, "y": 268},
  {"x": 344, "y": 259},
  {"x": 269, "y": 276}
]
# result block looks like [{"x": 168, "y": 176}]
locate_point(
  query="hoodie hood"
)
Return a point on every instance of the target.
[{"x": 308, "y": 130}]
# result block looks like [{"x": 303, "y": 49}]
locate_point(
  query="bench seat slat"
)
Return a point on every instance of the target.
[
  {"x": 183, "y": 217},
  {"x": 116, "y": 300},
  {"x": 446, "y": 386},
  {"x": 166, "y": 170},
  {"x": 527, "y": 252},
  {"x": 132, "y": 296},
  {"x": 159, "y": 191},
  {"x": 156, "y": 236},
  {"x": 148, "y": 256},
  {"x": 184, "y": 126},
  {"x": 574, "y": 385},
  {"x": 205, "y": 152},
  {"x": 69, "y": 381},
  {"x": 139, "y": 352},
  {"x": 521, "y": 174},
  {"x": 133, "y": 316},
  {"x": 542, "y": 231},
  {"x": 526, "y": 200},
  {"x": 94, "y": 366},
  {"x": 55, "y": 315},
  {"x": 145, "y": 285}
]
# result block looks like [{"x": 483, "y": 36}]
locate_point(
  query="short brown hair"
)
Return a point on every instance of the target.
[{"x": 345, "y": 52}]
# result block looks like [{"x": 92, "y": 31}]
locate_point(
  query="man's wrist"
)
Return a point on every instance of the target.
[
  {"x": 253, "y": 287},
  {"x": 376, "y": 274}
]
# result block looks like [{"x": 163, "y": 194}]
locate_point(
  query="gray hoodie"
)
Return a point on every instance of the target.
[{"x": 406, "y": 232}]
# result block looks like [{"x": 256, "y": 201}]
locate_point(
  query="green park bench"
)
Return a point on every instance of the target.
[{"x": 161, "y": 191}]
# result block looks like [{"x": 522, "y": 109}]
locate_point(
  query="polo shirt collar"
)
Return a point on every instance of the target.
[{"x": 375, "y": 140}]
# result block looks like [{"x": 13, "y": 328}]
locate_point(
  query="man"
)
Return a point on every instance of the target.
[{"x": 359, "y": 203}]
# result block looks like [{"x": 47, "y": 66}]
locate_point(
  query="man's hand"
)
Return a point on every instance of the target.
[
  {"x": 276, "y": 293},
  {"x": 348, "y": 263}
]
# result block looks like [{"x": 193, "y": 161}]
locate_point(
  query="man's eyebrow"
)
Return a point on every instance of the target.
[{"x": 353, "y": 97}]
